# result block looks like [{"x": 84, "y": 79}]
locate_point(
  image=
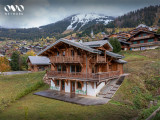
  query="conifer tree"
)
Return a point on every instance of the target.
[
  {"x": 115, "y": 44},
  {"x": 15, "y": 61}
]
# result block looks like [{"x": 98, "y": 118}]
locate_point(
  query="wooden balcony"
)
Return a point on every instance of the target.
[
  {"x": 155, "y": 43},
  {"x": 103, "y": 76},
  {"x": 66, "y": 59},
  {"x": 99, "y": 59},
  {"x": 143, "y": 37}
]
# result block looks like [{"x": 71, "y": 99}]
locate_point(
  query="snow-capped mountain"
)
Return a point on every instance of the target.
[
  {"x": 77, "y": 22},
  {"x": 81, "y": 21}
]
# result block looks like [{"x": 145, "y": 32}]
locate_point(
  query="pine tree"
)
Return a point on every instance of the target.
[
  {"x": 115, "y": 44},
  {"x": 15, "y": 61}
]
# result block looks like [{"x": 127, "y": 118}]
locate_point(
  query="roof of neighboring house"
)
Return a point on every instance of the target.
[
  {"x": 124, "y": 42},
  {"x": 39, "y": 60},
  {"x": 143, "y": 32},
  {"x": 121, "y": 61},
  {"x": 98, "y": 43},
  {"x": 114, "y": 55}
]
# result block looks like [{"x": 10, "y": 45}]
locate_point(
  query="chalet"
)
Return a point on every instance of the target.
[
  {"x": 38, "y": 63},
  {"x": 144, "y": 40},
  {"x": 81, "y": 67}
]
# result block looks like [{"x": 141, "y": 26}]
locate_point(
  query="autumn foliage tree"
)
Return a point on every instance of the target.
[{"x": 4, "y": 64}]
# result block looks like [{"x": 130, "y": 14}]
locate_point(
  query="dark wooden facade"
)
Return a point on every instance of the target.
[
  {"x": 78, "y": 64},
  {"x": 144, "y": 40}
]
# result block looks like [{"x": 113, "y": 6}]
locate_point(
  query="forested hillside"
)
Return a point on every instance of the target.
[{"x": 145, "y": 15}]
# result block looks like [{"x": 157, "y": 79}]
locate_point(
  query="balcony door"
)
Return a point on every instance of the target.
[
  {"x": 72, "y": 86},
  {"x": 62, "y": 86}
]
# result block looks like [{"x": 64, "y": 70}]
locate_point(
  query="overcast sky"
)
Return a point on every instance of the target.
[{"x": 42, "y": 12}]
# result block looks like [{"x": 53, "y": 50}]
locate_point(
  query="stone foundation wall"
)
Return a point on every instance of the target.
[{"x": 47, "y": 80}]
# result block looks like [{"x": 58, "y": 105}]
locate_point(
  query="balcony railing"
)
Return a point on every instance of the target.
[
  {"x": 66, "y": 59},
  {"x": 99, "y": 59},
  {"x": 146, "y": 44},
  {"x": 103, "y": 76},
  {"x": 143, "y": 37}
]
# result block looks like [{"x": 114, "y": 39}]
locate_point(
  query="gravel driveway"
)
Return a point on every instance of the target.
[{"x": 15, "y": 72}]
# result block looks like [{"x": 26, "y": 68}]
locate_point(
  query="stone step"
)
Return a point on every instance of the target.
[{"x": 108, "y": 96}]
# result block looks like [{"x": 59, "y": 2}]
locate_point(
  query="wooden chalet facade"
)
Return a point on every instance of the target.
[
  {"x": 144, "y": 40},
  {"x": 38, "y": 63},
  {"x": 81, "y": 68}
]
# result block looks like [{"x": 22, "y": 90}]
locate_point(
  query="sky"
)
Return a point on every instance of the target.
[{"x": 36, "y": 13}]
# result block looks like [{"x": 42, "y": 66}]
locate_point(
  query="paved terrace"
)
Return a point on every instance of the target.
[{"x": 72, "y": 98}]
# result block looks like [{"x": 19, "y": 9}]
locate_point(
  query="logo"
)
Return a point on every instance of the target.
[{"x": 14, "y": 9}]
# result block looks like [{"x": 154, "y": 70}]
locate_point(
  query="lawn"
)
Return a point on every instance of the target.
[
  {"x": 13, "y": 87},
  {"x": 130, "y": 101},
  {"x": 34, "y": 107}
]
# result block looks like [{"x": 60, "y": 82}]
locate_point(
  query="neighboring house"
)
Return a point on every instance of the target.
[
  {"x": 38, "y": 63},
  {"x": 144, "y": 40},
  {"x": 81, "y": 67}
]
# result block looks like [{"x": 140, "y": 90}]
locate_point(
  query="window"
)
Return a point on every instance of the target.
[
  {"x": 144, "y": 34},
  {"x": 63, "y": 68},
  {"x": 59, "y": 68},
  {"x": 72, "y": 53},
  {"x": 64, "y": 53},
  {"x": 78, "y": 68},
  {"x": 142, "y": 41},
  {"x": 134, "y": 42},
  {"x": 79, "y": 86},
  {"x": 78, "y": 52},
  {"x": 57, "y": 83},
  {"x": 150, "y": 40},
  {"x": 72, "y": 68},
  {"x": 57, "y": 53}
]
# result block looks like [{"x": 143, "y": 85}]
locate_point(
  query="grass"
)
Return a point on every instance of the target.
[
  {"x": 16, "y": 86},
  {"x": 40, "y": 108},
  {"x": 130, "y": 101}
]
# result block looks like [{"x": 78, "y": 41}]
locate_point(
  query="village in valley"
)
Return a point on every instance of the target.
[{"x": 107, "y": 73}]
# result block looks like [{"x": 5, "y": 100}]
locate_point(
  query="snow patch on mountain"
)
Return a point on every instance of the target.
[{"x": 83, "y": 19}]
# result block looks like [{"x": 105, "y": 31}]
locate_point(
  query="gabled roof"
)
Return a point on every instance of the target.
[
  {"x": 98, "y": 43},
  {"x": 39, "y": 60},
  {"x": 70, "y": 42},
  {"x": 114, "y": 55},
  {"x": 143, "y": 32},
  {"x": 85, "y": 46}
]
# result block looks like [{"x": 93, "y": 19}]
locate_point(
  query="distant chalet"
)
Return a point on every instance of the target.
[
  {"x": 144, "y": 40},
  {"x": 80, "y": 67}
]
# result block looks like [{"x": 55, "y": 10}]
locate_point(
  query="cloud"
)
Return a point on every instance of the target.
[{"x": 41, "y": 12}]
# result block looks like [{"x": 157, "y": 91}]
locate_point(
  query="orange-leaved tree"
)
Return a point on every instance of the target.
[{"x": 4, "y": 64}]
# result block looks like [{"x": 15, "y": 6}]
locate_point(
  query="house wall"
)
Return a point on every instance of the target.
[
  {"x": 86, "y": 90},
  {"x": 53, "y": 87}
]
